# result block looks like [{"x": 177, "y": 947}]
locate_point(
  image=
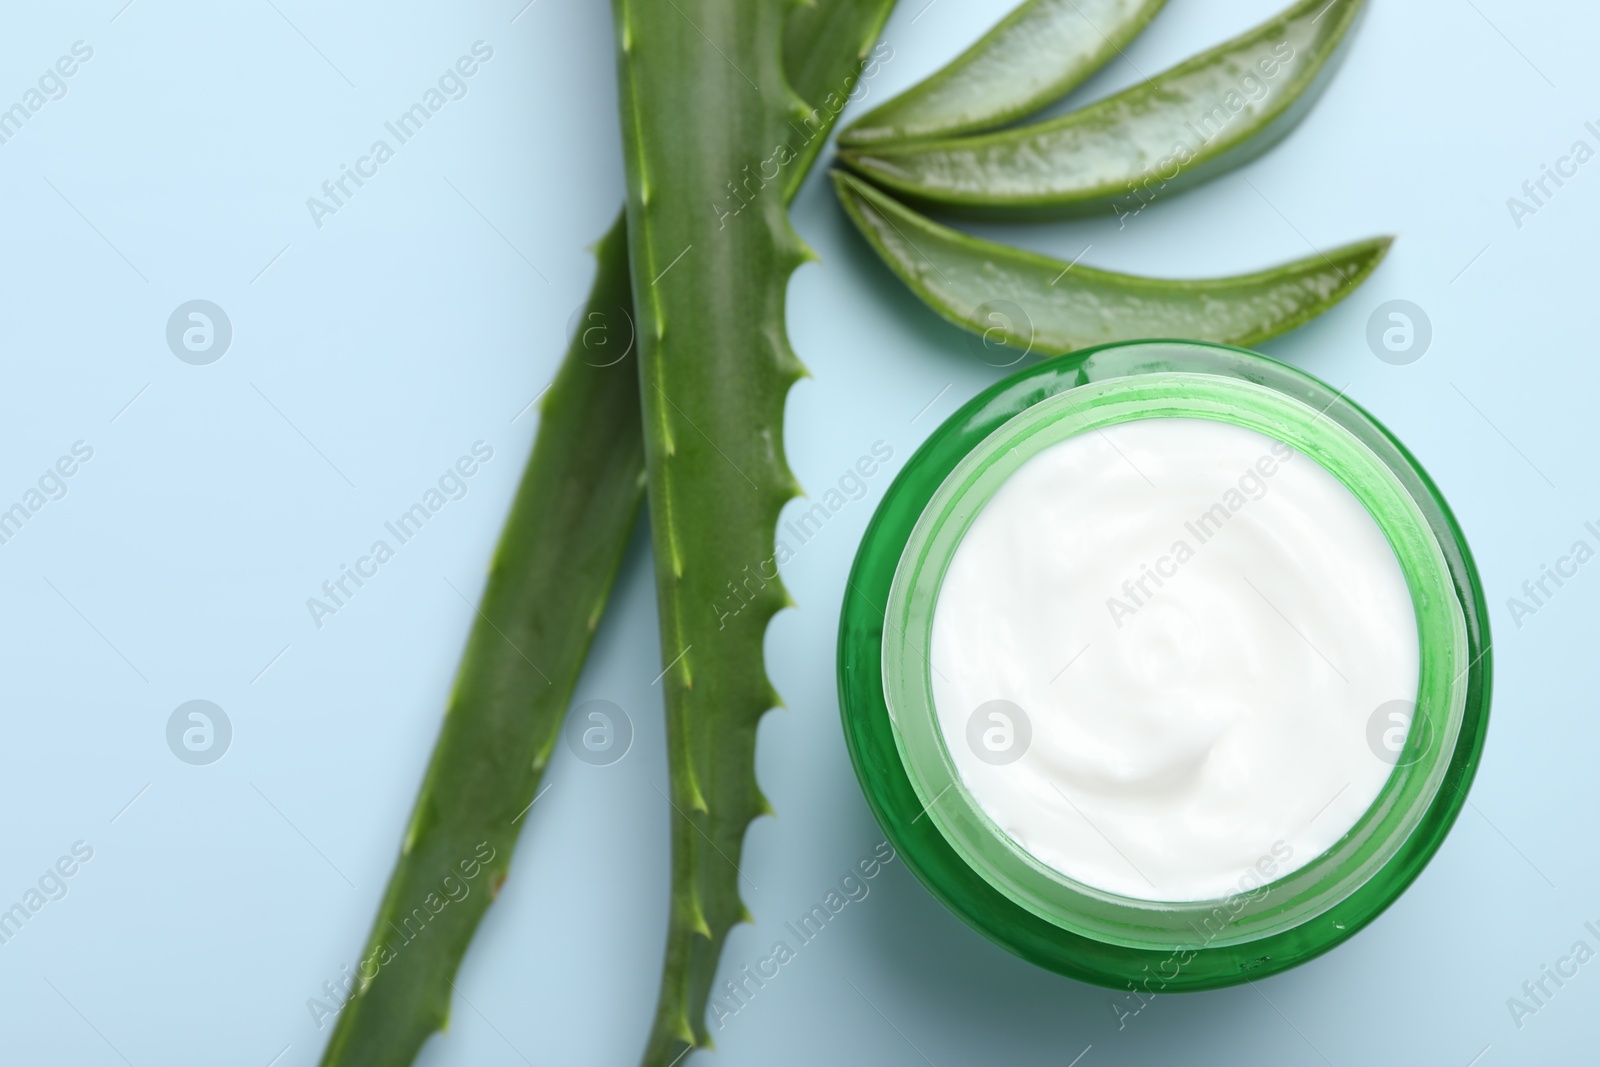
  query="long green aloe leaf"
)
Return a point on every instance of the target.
[
  {"x": 1199, "y": 119},
  {"x": 572, "y": 513},
  {"x": 548, "y": 582},
  {"x": 705, "y": 103},
  {"x": 1035, "y": 55},
  {"x": 1021, "y": 302}
]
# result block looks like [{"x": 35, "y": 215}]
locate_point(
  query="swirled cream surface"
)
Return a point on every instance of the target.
[{"x": 1159, "y": 653}]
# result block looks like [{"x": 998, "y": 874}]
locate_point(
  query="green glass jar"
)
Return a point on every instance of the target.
[{"x": 975, "y": 868}]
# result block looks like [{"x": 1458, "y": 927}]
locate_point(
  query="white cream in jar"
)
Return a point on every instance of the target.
[{"x": 1156, "y": 653}]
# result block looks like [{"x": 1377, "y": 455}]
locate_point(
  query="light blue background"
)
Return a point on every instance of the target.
[{"x": 425, "y": 316}]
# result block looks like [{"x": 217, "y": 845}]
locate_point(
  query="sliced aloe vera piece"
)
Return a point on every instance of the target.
[
  {"x": 1021, "y": 302},
  {"x": 1199, "y": 119},
  {"x": 1035, "y": 55}
]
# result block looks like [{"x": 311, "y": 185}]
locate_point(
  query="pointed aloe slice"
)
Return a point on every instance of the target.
[
  {"x": 1199, "y": 119},
  {"x": 1020, "y": 302},
  {"x": 1035, "y": 55}
]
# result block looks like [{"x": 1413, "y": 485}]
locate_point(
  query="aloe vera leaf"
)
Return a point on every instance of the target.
[
  {"x": 548, "y": 582},
  {"x": 1193, "y": 122},
  {"x": 715, "y": 367},
  {"x": 591, "y": 482},
  {"x": 1022, "y": 302},
  {"x": 702, "y": 96},
  {"x": 387, "y": 1020},
  {"x": 1037, "y": 54}
]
